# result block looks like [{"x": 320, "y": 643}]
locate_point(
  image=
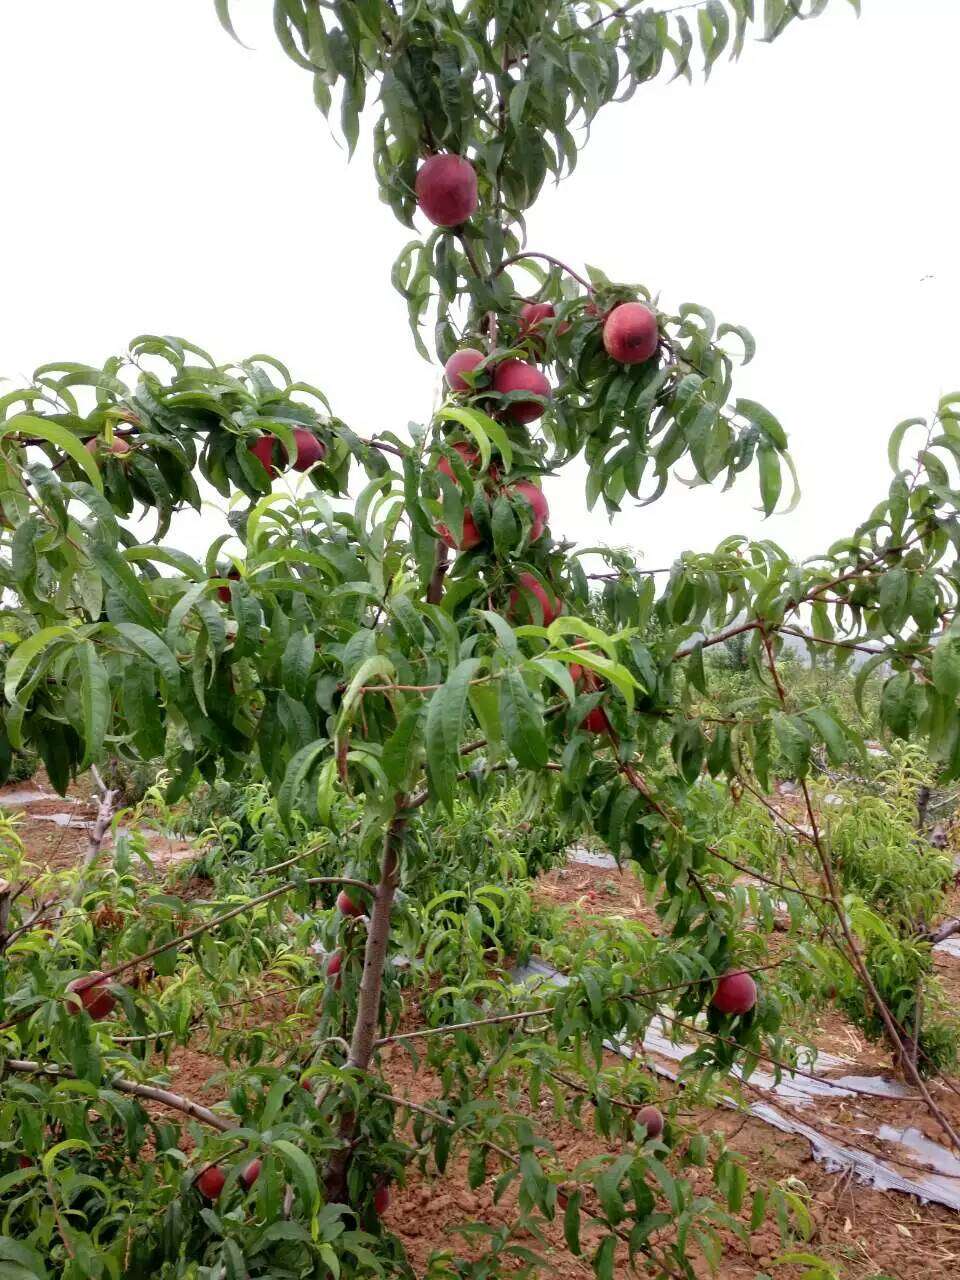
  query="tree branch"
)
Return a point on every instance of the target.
[
  {"x": 545, "y": 257},
  {"x": 894, "y": 1032},
  {"x": 174, "y": 943},
  {"x": 146, "y": 1091}
]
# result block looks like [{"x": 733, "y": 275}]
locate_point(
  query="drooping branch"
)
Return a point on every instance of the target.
[
  {"x": 545, "y": 257},
  {"x": 150, "y": 1093},
  {"x": 174, "y": 943},
  {"x": 451, "y": 1028},
  {"x": 894, "y": 1032}
]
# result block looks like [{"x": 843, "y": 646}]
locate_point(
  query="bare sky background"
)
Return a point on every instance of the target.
[{"x": 160, "y": 178}]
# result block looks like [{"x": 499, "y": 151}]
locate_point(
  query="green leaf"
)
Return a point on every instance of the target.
[
  {"x": 745, "y": 336},
  {"x": 505, "y": 633},
  {"x": 485, "y": 704},
  {"x": 151, "y": 646},
  {"x": 141, "y": 709},
  {"x": 121, "y": 579},
  {"x": 300, "y": 766},
  {"x": 945, "y": 666},
  {"x": 94, "y": 699},
  {"x": 522, "y": 721},
  {"x": 483, "y": 428},
  {"x": 169, "y": 555},
  {"x": 303, "y": 1174},
  {"x": 24, "y": 654},
  {"x": 378, "y": 665},
  {"x": 400, "y": 757},
  {"x": 23, "y": 555},
  {"x": 604, "y": 1258},
  {"x": 571, "y": 1223},
  {"x": 899, "y": 704},
  {"x": 924, "y": 601},
  {"x": 20, "y": 1254},
  {"x": 771, "y": 481},
  {"x": 860, "y": 680},
  {"x": 831, "y": 732},
  {"x": 763, "y": 419},
  {"x": 443, "y": 727},
  {"x": 296, "y": 663},
  {"x": 896, "y": 439},
  {"x": 793, "y": 738},
  {"x": 30, "y": 425},
  {"x": 695, "y": 671},
  {"x": 894, "y": 590},
  {"x": 223, "y": 13}
]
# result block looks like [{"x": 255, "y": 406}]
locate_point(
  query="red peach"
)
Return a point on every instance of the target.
[
  {"x": 211, "y": 1182},
  {"x": 463, "y": 361},
  {"x": 224, "y": 592},
  {"x": 381, "y": 1200},
  {"x": 251, "y": 1173},
  {"x": 532, "y": 314},
  {"x": 652, "y": 1120},
  {"x": 527, "y": 586},
  {"x": 630, "y": 333},
  {"x": 118, "y": 446},
  {"x": 471, "y": 534},
  {"x": 446, "y": 189},
  {"x": 736, "y": 993},
  {"x": 95, "y": 997},
  {"x": 334, "y": 965},
  {"x": 309, "y": 449},
  {"x": 468, "y": 454},
  {"x": 263, "y": 450},
  {"x": 541, "y": 512},
  {"x": 517, "y": 375},
  {"x": 347, "y": 907},
  {"x": 596, "y": 721}
]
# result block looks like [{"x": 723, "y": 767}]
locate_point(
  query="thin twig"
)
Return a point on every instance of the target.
[{"x": 546, "y": 257}]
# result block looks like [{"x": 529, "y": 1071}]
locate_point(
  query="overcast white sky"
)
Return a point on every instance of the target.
[{"x": 160, "y": 178}]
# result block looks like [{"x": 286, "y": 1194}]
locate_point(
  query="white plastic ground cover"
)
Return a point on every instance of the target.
[
  {"x": 579, "y": 854},
  {"x": 939, "y": 1188},
  {"x": 27, "y": 796}
]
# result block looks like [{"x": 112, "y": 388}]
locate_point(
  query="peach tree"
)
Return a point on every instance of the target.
[{"x": 406, "y": 627}]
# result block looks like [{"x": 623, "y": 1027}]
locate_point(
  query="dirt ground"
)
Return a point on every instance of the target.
[{"x": 863, "y": 1233}]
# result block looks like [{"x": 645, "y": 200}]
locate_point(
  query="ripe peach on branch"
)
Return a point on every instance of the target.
[
  {"x": 736, "y": 993},
  {"x": 95, "y": 996},
  {"x": 463, "y": 361},
  {"x": 530, "y": 597},
  {"x": 516, "y": 375},
  {"x": 446, "y": 190},
  {"x": 533, "y": 496},
  {"x": 631, "y": 334}
]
